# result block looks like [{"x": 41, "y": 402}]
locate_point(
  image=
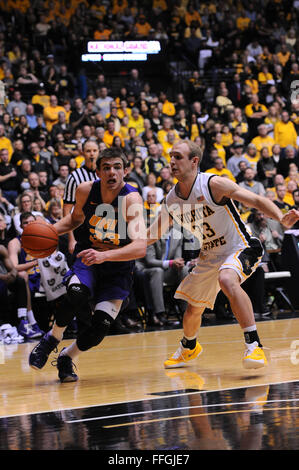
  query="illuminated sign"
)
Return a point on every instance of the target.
[{"x": 120, "y": 51}]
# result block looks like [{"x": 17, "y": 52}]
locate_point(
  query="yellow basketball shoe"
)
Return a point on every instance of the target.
[
  {"x": 182, "y": 356},
  {"x": 254, "y": 357}
]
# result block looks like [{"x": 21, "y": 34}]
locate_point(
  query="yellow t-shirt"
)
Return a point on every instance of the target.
[
  {"x": 261, "y": 142},
  {"x": 42, "y": 100},
  {"x": 221, "y": 152},
  {"x": 51, "y": 116},
  {"x": 285, "y": 134},
  {"x": 223, "y": 172},
  {"x": 5, "y": 143},
  {"x": 138, "y": 124},
  {"x": 168, "y": 108}
]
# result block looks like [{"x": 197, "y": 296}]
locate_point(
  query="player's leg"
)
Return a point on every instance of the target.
[
  {"x": 75, "y": 300},
  {"x": 199, "y": 289},
  {"x": 189, "y": 348},
  {"x": 230, "y": 282},
  {"x": 104, "y": 315}
]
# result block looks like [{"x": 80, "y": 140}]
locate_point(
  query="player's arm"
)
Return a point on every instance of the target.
[
  {"x": 160, "y": 226},
  {"x": 67, "y": 209},
  {"x": 75, "y": 218},
  {"x": 14, "y": 248},
  {"x": 11, "y": 274},
  {"x": 224, "y": 188},
  {"x": 133, "y": 213}
]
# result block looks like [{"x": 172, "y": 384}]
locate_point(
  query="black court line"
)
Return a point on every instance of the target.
[{"x": 261, "y": 417}]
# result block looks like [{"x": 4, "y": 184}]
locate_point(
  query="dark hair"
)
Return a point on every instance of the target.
[
  {"x": 25, "y": 216},
  {"x": 113, "y": 152}
]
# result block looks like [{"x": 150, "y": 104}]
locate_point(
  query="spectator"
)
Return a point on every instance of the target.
[
  {"x": 103, "y": 101},
  {"x": 51, "y": 113},
  {"x": 5, "y": 143},
  {"x": 64, "y": 172},
  {"x": 279, "y": 201},
  {"x": 290, "y": 157},
  {"x": 16, "y": 102},
  {"x": 250, "y": 184},
  {"x": 233, "y": 162},
  {"x": 220, "y": 170},
  {"x": 266, "y": 168},
  {"x": 284, "y": 132},
  {"x": 24, "y": 204},
  {"x": 9, "y": 183},
  {"x": 163, "y": 263},
  {"x": 263, "y": 140},
  {"x": 151, "y": 184},
  {"x": 255, "y": 113},
  {"x": 27, "y": 269}
]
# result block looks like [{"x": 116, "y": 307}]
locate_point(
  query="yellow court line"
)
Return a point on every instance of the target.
[{"x": 148, "y": 421}]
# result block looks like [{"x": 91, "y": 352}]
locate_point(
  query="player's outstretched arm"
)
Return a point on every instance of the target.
[
  {"x": 75, "y": 218},
  {"x": 224, "y": 188},
  {"x": 161, "y": 225}
]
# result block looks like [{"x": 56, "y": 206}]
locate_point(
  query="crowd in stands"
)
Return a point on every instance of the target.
[{"x": 239, "y": 101}]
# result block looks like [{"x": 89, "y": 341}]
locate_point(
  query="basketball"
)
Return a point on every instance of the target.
[{"x": 39, "y": 239}]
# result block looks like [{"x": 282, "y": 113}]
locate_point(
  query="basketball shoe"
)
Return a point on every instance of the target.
[
  {"x": 182, "y": 356},
  {"x": 39, "y": 355},
  {"x": 65, "y": 368},
  {"x": 254, "y": 356}
]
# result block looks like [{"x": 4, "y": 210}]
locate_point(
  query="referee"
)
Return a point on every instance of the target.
[{"x": 87, "y": 172}]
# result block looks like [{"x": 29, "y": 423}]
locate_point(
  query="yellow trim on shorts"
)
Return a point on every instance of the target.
[
  {"x": 193, "y": 300},
  {"x": 236, "y": 226}
]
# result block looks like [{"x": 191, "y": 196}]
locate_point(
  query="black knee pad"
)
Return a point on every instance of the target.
[
  {"x": 94, "y": 334},
  {"x": 78, "y": 295},
  {"x": 63, "y": 311}
]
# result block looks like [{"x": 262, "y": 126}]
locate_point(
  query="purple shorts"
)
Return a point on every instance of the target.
[{"x": 105, "y": 281}]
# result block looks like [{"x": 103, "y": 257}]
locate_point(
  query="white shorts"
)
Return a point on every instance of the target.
[{"x": 201, "y": 286}]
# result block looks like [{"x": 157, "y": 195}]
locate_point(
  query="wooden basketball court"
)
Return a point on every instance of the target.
[{"x": 126, "y": 400}]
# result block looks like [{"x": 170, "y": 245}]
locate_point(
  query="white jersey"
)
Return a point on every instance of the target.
[{"x": 218, "y": 227}]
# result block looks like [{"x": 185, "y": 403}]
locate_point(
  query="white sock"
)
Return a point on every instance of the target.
[
  {"x": 72, "y": 351},
  {"x": 30, "y": 317},
  {"x": 22, "y": 313}
]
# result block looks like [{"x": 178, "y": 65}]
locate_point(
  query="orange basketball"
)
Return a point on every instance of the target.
[{"x": 39, "y": 239}]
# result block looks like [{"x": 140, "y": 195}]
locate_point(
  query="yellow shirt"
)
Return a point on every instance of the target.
[
  {"x": 194, "y": 131},
  {"x": 250, "y": 109},
  {"x": 51, "y": 116},
  {"x": 242, "y": 23},
  {"x": 221, "y": 152},
  {"x": 108, "y": 138},
  {"x": 138, "y": 124},
  {"x": 5, "y": 143},
  {"x": 227, "y": 139},
  {"x": 252, "y": 161},
  {"x": 261, "y": 142},
  {"x": 283, "y": 58},
  {"x": 285, "y": 134},
  {"x": 223, "y": 172},
  {"x": 162, "y": 135},
  {"x": 42, "y": 100},
  {"x": 263, "y": 78},
  {"x": 253, "y": 85},
  {"x": 168, "y": 108}
]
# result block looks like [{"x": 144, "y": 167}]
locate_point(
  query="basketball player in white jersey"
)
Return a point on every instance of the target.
[{"x": 203, "y": 204}]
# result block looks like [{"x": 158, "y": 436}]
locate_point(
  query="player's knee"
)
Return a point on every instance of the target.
[
  {"x": 228, "y": 282},
  {"x": 94, "y": 335},
  {"x": 78, "y": 295}
]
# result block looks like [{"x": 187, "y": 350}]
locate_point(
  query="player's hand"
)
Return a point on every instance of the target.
[
  {"x": 91, "y": 256},
  {"x": 290, "y": 218}
]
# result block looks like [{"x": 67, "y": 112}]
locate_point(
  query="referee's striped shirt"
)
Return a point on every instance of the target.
[{"x": 78, "y": 176}]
